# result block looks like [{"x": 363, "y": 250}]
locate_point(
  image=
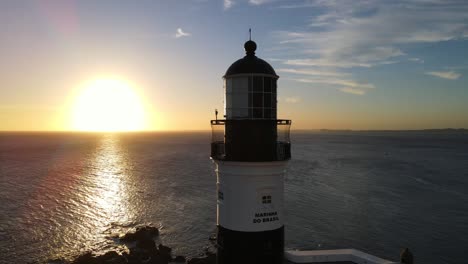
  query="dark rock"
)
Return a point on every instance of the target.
[
  {"x": 165, "y": 252},
  {"x": 112, "y": 257},
  {"x": 406, "y": 256},
  {"x": 87, "y": 258},
  {"x": 138, "y": 258},
  {"x": 54, "y": 261},
  {"x": 159, "y": 259},
  {"x": 141, "y": 233},
  {"x": 164, "y": 249},
  {"x": 208, "y": 259},
  {"x": 146, "y": 243},
  {"x": 179, "y": 259},
  {"x": 139, "y": 255}
]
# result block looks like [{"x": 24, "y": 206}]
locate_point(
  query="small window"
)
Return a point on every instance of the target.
[{"x": 266, "y": 199}]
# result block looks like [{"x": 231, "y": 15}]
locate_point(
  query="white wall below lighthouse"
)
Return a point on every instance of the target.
[{"x": 250, "y": 195}]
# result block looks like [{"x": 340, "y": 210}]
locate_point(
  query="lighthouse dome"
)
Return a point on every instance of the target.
[{"x": 250, "y": 63}]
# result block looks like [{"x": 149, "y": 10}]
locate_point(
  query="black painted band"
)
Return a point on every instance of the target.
[{"x": 250, "y": 247}]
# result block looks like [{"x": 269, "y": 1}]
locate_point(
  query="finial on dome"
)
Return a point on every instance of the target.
[{"x": 250, "y": 46}]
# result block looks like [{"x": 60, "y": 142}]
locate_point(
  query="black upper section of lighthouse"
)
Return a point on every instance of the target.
[{"x": 250, "y": 63}]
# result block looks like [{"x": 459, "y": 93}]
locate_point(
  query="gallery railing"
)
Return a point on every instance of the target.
[{"x": 250, "y": 140}]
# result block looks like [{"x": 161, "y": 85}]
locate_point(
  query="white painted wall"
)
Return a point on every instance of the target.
[{"x": 243, "y": 185}]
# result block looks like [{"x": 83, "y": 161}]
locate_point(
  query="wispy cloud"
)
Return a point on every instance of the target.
[
  {"x": 341, "y": 82},
  {"x": 344, "y": 85},
  {"x": 180, "y": 33},
  {"x": 451, "y": 75},
  {"x": 228, "y": 4},
  {"x": 298, "y": 5},
  {"x": 418, "y": 60},
  {"x": 365, "y": 34},
  {"x": 313, "y": 72},
  {"x": 352, "y": 91},
  {"x": 259, "y": 2},
  {"x": 293, "y": 100}
]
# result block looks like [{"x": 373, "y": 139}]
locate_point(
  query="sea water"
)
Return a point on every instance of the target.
[{"x": 62, "y": 194}]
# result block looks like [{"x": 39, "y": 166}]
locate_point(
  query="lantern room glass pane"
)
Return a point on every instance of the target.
[
  {"x": 257, "y": 100},
  {"x": 240, "y": 85},
  {"x": 250, "y": 96},
  {"x": 228, "y": 86},
  {"x": 239, "y": 100},
  {"x": 237, "y": 97},
  {"x": 273, "y": 100},
  {"x": 257, "y": 84},
  {"x": 267, "y": 85},
  {"x": 273, "y": 85},
  {"x": 267, "y": 100}
]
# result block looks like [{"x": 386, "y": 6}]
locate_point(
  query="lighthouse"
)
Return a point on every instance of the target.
[{"x": 250, "y": 149}]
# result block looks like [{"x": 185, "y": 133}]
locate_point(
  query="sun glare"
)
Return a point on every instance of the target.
[{"x": 108, "y": 105}]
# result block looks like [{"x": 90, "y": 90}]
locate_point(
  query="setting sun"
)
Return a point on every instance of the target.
[{"x": 108, "y": 105}]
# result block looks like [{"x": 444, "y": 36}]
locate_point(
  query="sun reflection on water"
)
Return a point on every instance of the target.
[
  {"x": 106, "y": 192},
  {"x": 96, "y": 199},
  {"x": 109, "y": 178}
]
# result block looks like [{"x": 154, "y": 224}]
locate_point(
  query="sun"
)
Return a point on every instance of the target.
[{"x": 108, "y": 105}]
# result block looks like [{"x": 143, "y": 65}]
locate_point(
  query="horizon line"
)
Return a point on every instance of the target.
[{"x": 209, "y": 130}]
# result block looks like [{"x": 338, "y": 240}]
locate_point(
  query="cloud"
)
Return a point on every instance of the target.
[
  {"x": 298, "y": 5},
  {"x": 293, "y": 100},
  {"x": 344, "y": 85},
  {"x": 340, "y": 82},
  {"x": 366, "y": 33},
  {"x": 342, "y": 35},
  {"x": 352, "y": 91},
  {"x": 326, "y": 63},
  {"x": 313, "y": 72},
  {"x": 258, "y": 2},
  {"x": 228, "y": 4},
  {"x": 451, "y": 75},
  {"x": 418, "y": 60},
  {"x": 180, "y": 33}
]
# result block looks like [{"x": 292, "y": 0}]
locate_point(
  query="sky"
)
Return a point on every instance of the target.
[{"x": 342, "y": 64}]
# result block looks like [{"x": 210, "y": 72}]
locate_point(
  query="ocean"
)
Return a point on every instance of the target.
[{"x": 62, "y": 194}]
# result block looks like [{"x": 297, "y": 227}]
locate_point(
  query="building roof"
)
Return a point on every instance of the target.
[
  {"x": 335, "y": 256},
  {"x": 250, "y": 63}
]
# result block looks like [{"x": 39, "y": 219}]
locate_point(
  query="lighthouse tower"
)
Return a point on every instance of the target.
[{"x": 250, "y": 149}]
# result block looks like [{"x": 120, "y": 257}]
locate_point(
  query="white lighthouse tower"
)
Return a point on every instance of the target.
[{"x": 250, "y": 149}]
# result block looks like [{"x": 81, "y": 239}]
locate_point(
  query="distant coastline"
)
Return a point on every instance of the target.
[{"x": 437, "y": 130}]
